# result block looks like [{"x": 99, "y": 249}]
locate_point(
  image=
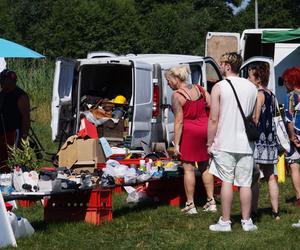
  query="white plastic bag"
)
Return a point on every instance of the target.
[
  {"x": 136, "y": 195},
  {"x": 20, "y": 226},
  {"x": 282, "y": 136},
  {"x": 31, "y": 178},
  {"x": 120, "y": 170},
  {"x": 18, "y": 179},
  {"x": 5, "y": 180}
]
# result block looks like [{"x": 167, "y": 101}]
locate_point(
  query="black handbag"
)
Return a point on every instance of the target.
[{"x": 250, "y": 126}]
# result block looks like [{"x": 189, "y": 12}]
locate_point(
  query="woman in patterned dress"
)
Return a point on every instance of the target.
[{"x": 265, "y": 152}]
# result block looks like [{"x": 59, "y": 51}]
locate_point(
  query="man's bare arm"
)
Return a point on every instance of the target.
[{"x": 214, "y": 115}]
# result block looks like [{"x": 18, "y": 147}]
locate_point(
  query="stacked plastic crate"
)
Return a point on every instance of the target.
[{"x": 92, "y": 206}]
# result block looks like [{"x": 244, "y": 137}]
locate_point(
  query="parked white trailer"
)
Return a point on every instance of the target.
[
  {"x": 279, "y": 55},
  {"x": 139, "y": 78}
]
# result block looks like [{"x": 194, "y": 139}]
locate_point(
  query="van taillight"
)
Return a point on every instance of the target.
[{"x": 155, "y": 109}]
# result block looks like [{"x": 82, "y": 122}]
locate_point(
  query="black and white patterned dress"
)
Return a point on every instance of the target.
[{"x": 266, "y": 151}]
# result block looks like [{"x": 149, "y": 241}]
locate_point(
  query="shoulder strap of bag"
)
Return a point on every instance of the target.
[
  {"x": 276, "y": 111},
  {"x": 237, "y": 99}
]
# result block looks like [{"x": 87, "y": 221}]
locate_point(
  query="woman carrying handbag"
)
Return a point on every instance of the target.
[{"x": 266, "y": 150}]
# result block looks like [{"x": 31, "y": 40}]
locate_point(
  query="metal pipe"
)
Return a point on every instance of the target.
[{"x": 256, "y": 14}]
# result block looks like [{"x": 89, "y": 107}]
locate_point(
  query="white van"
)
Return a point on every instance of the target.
[
  {"x": 139, "y": 78},
  {"x": 279, "y": 55}
]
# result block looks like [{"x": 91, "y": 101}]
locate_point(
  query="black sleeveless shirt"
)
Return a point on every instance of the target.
[{"x": 10, "y": 115}]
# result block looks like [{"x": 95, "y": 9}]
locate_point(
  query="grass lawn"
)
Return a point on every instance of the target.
[{"x": 149, "y": 226}]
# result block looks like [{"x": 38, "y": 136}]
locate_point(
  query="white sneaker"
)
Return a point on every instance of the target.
[
  {"x": 296, "y": 225},
  {"x": 210, "y": 206},
  {"x": 189, "y": 208},
  {"x": 248, "y": 225},
  {"x": 221, "y": 226}
]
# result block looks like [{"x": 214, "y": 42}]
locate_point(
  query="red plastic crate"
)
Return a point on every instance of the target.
[
  {"x": 97, "y": 216},
  {"x": 118, "y": 189},
  {"x": 90, "y": 215},
  {"x": 8, "y": 206},
  {"x": 93, "y": 206},
  {"x": 169, "y": 191},
  {"x": 26, "y": 203},
  {"x": 92, "y": 198}
]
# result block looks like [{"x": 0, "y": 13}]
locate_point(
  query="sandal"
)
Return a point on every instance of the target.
[
  {"x": 276, "y": 215},
  {"x": 210, "y": 206},
  {"x": 189, "y": 208}
]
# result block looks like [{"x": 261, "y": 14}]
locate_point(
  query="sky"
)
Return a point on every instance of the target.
[{"x": 235, "y": 9}]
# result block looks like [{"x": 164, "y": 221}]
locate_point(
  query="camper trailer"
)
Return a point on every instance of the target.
[
  {"x": 280, "y": 55},
  {"x": 146, "y": 115}
]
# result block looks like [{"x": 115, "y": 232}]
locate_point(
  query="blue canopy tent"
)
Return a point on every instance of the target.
[{"x": 10, "y": 49}]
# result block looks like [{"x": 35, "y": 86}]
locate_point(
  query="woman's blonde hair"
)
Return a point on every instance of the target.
[{"x": 182, "y": 72}]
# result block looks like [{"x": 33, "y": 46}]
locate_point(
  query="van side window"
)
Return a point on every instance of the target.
[
  {"x": 196, "y": 73},
  {"x": 212, "y": 75}
]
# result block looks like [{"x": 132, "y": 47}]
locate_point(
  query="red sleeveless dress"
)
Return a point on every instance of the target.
[{"x": 194, "y": 133}]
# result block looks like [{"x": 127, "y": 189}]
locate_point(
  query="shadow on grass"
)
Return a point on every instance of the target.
[
  {"x": 133, "y": 208},
  {"x": 41, "y": 225},
  {"x": 236, "y": 218}
]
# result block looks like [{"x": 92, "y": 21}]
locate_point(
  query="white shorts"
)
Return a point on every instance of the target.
[{"x": 234, "y": 168}]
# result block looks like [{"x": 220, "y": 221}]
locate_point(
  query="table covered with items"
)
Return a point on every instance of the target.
[{"x": 83, "y": 192}]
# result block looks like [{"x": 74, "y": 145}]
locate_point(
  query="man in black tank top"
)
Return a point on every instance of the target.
[{"x": 14, "y": 113}]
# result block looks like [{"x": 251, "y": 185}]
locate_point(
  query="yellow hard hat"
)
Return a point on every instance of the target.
[{"x": 119, "y": 99}]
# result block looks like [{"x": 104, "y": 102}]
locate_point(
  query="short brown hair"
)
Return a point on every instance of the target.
[
  {"x": 233, "y": 59},
  {"x": 261, "y": 70}
]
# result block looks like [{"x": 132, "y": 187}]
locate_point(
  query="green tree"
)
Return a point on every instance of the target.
[{"x": 271, "y": 14}]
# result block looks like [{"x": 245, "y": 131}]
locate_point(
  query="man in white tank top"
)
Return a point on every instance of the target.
[{"x": 232, "y": 153}]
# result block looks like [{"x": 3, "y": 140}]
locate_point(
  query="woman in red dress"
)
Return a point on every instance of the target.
[{"x": 190, "y": 127}]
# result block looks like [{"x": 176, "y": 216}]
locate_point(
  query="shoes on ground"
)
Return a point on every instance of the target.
[
  {"x": 221, "y": 226},
  {"x": 296, "y": 225},
  {"x": 276, "y": 215},
  {"x": 189, "y": 208},
  {"x": 210, "y": 206},
  {"x": 248, "y": 225},
  {"x": 297, "y": 202}
]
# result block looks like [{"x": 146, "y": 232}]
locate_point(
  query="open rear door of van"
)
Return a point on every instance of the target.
[
  {"x": 260, "y": 59},
  {"x": 142, "y": 115},
  {"x": 218, "y": 43},
  {"x": 61, "y": 106}
]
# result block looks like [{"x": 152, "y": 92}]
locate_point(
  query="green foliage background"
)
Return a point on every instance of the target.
[{"x": 72, "y": 28}]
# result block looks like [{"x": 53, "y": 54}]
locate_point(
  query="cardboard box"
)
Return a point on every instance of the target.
[
  {"x": 80, "y": 150},
  {"x": 79, "y": 166},
  {"x": 111, "y": 130}
]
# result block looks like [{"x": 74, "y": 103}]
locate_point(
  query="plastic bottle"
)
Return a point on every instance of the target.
[
  {"x": 142, "y": 165},
  {"x": 149, "y": 165}
]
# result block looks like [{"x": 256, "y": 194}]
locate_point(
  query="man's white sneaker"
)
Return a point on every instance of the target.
[
  {"x": 189, "y": 208},
  {"x": 221, "y": 226},
  {"x": 296, "y": 225},
  {"x": 248, "y": 225},
  {"x": 210, "y": 206}
]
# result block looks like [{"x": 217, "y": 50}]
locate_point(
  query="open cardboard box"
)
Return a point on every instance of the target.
[
  {"x": 79, "y": 166},
  {"x": 79, "y": 150}
]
